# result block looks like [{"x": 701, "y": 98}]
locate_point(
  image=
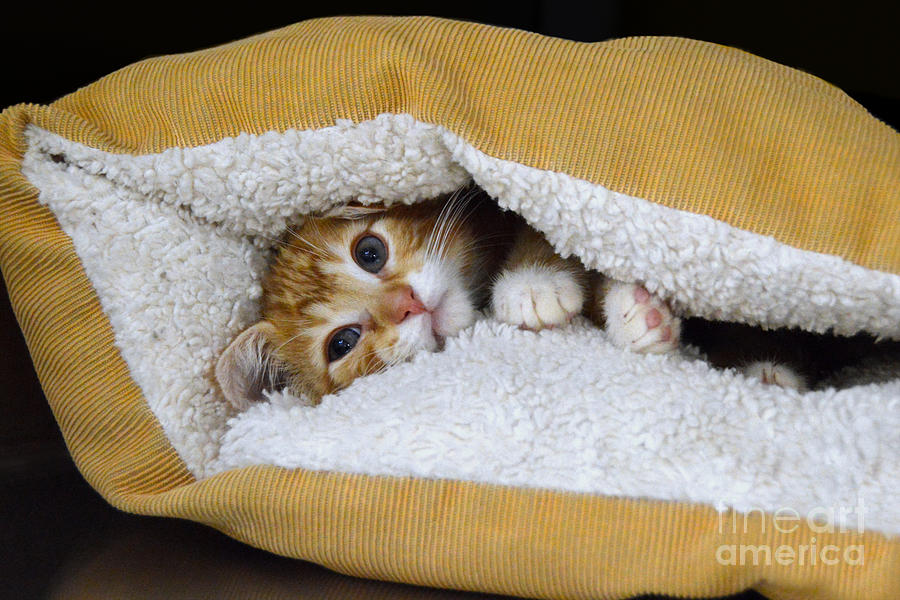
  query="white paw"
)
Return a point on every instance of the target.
[
  {"x": 536, "y": 297},
  {"x": 774, "y": 373},
  {"x": 640, "y": 321}
]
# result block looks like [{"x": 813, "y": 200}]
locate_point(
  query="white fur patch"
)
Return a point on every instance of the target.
[
  {"x": 174, "y": 244},
  {"x": 442, "y": 290},
  {"x": 536, "y": 297}
]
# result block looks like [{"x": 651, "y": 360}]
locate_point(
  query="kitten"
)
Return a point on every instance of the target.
[{"x": 353, "y": 294}]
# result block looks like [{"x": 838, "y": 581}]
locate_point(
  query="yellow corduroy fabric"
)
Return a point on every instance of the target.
[{"x": 686, "y": 124}]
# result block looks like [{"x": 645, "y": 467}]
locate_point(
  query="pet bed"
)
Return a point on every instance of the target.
[{"x": 138, "y": 214}]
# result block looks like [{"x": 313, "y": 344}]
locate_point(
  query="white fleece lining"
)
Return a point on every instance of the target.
[{"x": 175, "y": 244}]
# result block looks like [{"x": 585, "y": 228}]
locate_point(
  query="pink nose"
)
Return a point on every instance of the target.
[{"x": 403, "y": 303}]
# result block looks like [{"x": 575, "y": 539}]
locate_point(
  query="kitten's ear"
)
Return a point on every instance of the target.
[{"x": 248, "y": 366}]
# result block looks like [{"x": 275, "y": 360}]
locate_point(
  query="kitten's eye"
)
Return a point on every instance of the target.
[
  {"x": 342, "y": 341},
  {"x": 370, "y": 253}
]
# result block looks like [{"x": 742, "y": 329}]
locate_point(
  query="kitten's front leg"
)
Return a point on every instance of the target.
[
  {"x": 536, "y": 288},
  {"x": 633, "y": 317}
]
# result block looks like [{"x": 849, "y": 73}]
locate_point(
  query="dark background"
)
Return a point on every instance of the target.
[{"x": 54, "y": 528}]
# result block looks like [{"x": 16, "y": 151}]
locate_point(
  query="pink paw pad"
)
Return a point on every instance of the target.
[
  {"x": 640, "y": 320},
  {"x": 665, "y": 334},
  {"x": 641, "y": 296}
]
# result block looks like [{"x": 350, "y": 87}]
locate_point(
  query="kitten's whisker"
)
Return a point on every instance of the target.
[
  {"x": 463, "y": 210},
  {"x": 435, "y": 239},
  {"x": 385, "y": 364},
  {"x": 287, "y": 342},
  {"x": 448, "y": 219},
  {"x": 439, "y": 221},
  {"x": 312, "y": 248},
  {"x": 279, "y": 242},
  {"x": 469, "y": 248}
]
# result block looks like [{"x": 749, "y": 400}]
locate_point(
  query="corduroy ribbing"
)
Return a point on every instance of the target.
[{"x": 687, "y": 124}]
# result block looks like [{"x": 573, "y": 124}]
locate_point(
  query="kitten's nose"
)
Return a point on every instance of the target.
[{"x": 403, "y": 303}]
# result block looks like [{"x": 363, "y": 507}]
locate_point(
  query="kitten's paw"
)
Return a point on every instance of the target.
[
  {"x": 774, "y": 373},
  {"x": 640, "y": 321},
  {"x": 536, "y": 297}
]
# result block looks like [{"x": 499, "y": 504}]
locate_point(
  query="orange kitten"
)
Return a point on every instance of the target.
[{"x": 347, "y": 297}]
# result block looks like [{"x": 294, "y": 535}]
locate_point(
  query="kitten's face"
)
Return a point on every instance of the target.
[{"x": 349, "y": 297}]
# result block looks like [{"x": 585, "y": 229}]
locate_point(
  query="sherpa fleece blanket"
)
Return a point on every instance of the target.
[{"x": 139, "y": 214}]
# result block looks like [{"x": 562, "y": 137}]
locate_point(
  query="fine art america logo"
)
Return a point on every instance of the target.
[{"x": 810, "y": 551}]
